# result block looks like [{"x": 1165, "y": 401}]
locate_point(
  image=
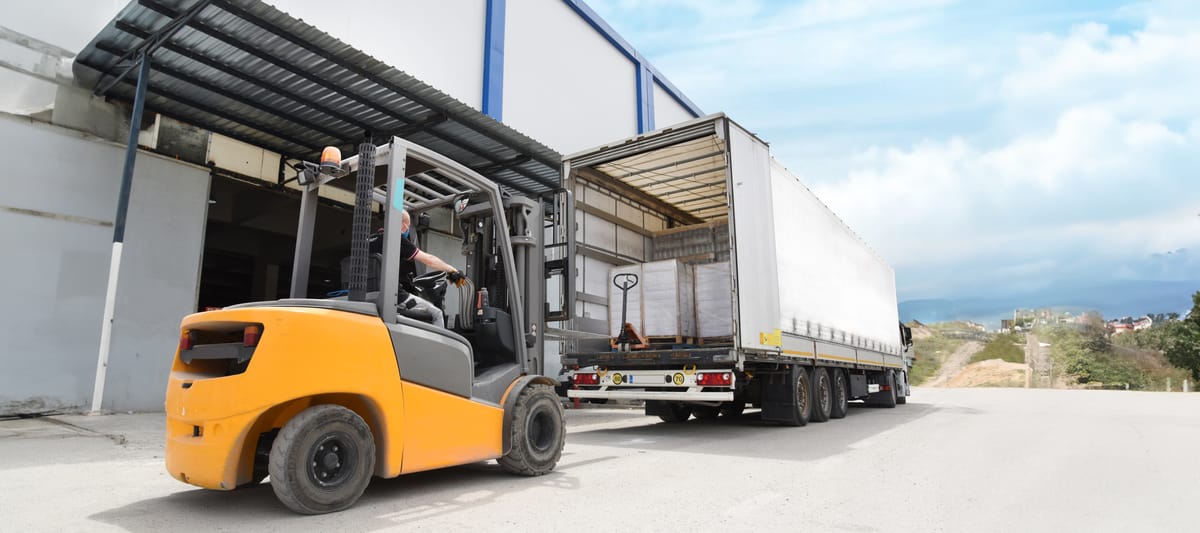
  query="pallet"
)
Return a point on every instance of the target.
[
  {"x": 668, "y": 339},
  {"x": 703, "y": 341}
]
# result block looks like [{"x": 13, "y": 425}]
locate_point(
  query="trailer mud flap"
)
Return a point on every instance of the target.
[{"x": 779, "y": 396}]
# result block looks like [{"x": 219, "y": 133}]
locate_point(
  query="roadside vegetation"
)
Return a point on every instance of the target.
[
  {"x": 1088, "y": 355},
  {"x": 1006, "y": 346},
  {"x": 932, "y": 344}
]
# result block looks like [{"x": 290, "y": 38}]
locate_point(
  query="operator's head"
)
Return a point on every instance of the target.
[{"x": 405, "y": 221}]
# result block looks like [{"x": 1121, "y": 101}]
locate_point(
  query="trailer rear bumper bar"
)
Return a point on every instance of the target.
[{"x": 685, "y": 396}]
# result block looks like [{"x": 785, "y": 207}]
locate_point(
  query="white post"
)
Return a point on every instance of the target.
[
  {"x": 110, "y": 300},
  {"x": 1186, "y": 387},
  {"x": 1168, "y": 384}
]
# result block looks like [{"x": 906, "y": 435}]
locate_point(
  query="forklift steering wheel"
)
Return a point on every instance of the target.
[{"x": 429, "y": 277}]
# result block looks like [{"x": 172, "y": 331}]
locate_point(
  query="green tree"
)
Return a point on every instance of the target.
[{"x": 1182, "y": 343}]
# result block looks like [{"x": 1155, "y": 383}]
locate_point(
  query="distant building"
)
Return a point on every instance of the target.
[{"x": 1006, "y": 325}]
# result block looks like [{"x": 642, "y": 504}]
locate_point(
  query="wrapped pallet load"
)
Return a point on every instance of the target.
[
  {"x": 714, "y": 303},
  {"x": 668, "y": 300}
]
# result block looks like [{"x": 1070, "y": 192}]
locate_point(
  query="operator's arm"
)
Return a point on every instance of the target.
[{"x": 434, "y": 262}]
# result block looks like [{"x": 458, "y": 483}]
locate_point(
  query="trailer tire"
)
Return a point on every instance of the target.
[
  {"x": 705, "y": 412},
  {"x": 675, "y": 412},
  {"x": 802, "y": 400},
  {"x": 322, "y": 460},
  {"x": 822, "y": 395},
  {"x": 889, "y": 400},
  {"x": 902, "y": 399},
  {"x": 841, "y": 395},
  {"x": 537, "y": 433},
  {"x": 732, "y": 409}
]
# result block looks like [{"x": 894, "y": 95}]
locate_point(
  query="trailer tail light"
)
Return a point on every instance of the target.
[
  {"x": 587, "y": 379},
  {"x": 186, "y": 341},
  {"x": 714, "y": 379},
  {"x": 250, "y": 336}
]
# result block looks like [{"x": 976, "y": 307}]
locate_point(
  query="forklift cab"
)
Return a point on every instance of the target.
[{"x": 490, "y": 333}]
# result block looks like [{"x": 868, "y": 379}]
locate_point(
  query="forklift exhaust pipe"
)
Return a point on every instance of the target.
[{"x": 360, "y": 231}]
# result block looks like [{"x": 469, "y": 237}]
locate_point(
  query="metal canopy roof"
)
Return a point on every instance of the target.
[{"x": 246, "y": 70}]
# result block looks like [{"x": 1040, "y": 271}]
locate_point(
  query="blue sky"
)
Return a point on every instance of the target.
[{"x": 981, "y": 147}]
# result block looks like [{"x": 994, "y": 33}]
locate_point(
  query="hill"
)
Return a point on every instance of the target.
[{"x": 1111, "y": 299}]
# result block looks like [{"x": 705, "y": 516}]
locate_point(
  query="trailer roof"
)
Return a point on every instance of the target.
[
  {"x": 682, "y": 165},
  {"x": 243, "y": 69}
]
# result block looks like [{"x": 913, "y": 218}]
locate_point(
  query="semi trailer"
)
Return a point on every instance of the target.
[{"x": 752, "y": 291}]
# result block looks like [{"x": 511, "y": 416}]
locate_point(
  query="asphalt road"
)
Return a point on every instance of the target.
[{"x": 950, "y": 460}]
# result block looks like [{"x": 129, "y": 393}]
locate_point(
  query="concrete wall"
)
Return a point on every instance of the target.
[
  {"x": 56, "y": 217},
  {"x": 440, "y": 43},
  {"x": 564, "y": 84}
]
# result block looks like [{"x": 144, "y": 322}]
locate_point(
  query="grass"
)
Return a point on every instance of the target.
[
  {"x": 1007, "y": 346},
  {"x": 930, "y": 353}
]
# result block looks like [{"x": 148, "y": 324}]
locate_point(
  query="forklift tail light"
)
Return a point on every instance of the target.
[
  {"x": 186, "y": 342},
  {"x": 250, "y": 336}
]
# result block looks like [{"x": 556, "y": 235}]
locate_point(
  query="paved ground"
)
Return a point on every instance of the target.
[{"x": 950, "y": 460}]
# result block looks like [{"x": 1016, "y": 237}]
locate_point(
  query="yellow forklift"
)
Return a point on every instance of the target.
[{"x": 323, "y": 394}]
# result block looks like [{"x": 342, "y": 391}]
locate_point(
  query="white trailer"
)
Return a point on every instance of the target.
[{"x": 813, "y": 308}]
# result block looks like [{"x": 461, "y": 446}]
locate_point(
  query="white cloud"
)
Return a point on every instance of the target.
[{"x": 966, "y": 143}]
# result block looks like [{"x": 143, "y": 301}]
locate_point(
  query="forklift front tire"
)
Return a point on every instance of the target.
[
  {"x": 322, "y": 460},
  {"x": 538, "y": 432}
]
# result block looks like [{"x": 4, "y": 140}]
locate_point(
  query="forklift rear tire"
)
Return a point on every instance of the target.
[
  {"x": 322, "y": 460},
  {"x": 538, "y": 433}
]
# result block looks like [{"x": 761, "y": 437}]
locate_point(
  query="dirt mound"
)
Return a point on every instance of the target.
[
  {"x": 953, "y": 364},
  {"x": 920, "y": 331},
  {"x": 990, "y": 373}
]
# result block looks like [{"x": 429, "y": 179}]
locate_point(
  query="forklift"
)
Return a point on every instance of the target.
[{"x": 321, "y": 395}]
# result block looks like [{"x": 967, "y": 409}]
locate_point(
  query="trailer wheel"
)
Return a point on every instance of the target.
[
  {"x": 822, "y": 395},
  {"x": 733, "y": 409},
  {"x": 705, "y": 412},
  {"x": 322, "y": 460},
  {"x": 802, "y": 405},
  {"x": 889, "y": 400},
  {"x": 903, "y": 398},
  {"x": 537, "y": 434},
  {"x": 675, "y": 412},
  {"x": 841, "y": 396}
]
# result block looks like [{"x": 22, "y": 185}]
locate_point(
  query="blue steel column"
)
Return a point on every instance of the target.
[
  {"x": 131, "y": 148},
  {"x": 493, "y": 60},
  {"x": 114, "y": 269},
  {"x": 645, "y": 98}
]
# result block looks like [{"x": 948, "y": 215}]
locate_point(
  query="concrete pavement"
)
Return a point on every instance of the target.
[{"x": 950, "y": 460}]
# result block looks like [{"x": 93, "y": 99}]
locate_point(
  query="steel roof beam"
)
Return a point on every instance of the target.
[
  {"x": 224, "y": 69},
  {"x": 267, "y": 25},
  {"x": 147, "y": 46},
  {"x": 366, "y": 101},
  {"x": 187, "y": 78}
]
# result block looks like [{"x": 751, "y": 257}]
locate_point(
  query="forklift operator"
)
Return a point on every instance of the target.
[{"x": 410, "y": 252}]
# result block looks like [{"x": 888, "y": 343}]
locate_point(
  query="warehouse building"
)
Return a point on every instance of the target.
[{"x": 240, "y": 90}]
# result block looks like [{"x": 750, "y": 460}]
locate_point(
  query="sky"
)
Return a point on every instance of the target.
[{"x": 981, "y": 147}]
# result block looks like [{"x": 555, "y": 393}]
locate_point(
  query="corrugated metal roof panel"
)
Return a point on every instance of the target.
[{"x": 246, "y": 70}]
